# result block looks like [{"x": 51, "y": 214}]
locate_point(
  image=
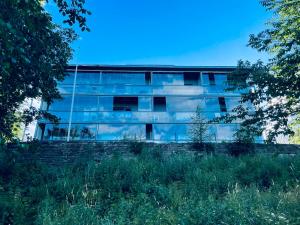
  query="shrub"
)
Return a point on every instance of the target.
[
  {"x": 136, "y": 147},
  {"x": 239, "y": 148}
]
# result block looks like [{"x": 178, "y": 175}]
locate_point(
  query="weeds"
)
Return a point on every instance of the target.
[{"x": 152, "y": 188}]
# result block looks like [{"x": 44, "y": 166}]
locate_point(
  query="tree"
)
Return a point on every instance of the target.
[
  {"x": 33, "y": 55},
  {"x": 275, "y": 93},
  {"x": 295, "y": 139},
  {"x": 199, "y": 128}
]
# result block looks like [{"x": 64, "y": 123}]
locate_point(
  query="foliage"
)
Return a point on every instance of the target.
[
  {"x": 33, "y": 55},
  {"x": 199, "y": 128},
  {"x": 275, "y": 93},
  {"x": 152, "y": 188},
  {"x": 199, "y": 132},
  {"x": 243, "y": 143},
  {"x": 295, "y": 126},
  {"x": 136, "y": 147}
]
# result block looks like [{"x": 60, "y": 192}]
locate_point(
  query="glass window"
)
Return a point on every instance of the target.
[
  {"x": 212, "y": 105},
  {"x": 84, "y": 117},
  {"x": 83, "y": 132},
  {"x": 149, "y": 131},
  {"x": 62, "y": 116},
  {"x": 205, "y": 80},
  {"x": 221, "y": 79},
  {"x": 105, "y": 103},
  {"x": 214, "y": 79},
  {"x": 68, "y": 79},
  {"x": 184, "y": 104},
  {"x": 191, "y": 78},
  {"x": 145, "y": 104},
  {"x": 170, "y": 132},
  {"x": 65, "y": 89},
  {"x": 126, "y": 90},
  {"x": 179, "y": 90},
  {"x": 88, "y": 78},
  {"x": 222, "y": 104},
  {"x": 232, "y": 102},
  {"x": 123, "y": 78},
  {"x": 63, "y": 104},
  {"x": 167, "y": 79},
  {"x": 85, "y": 103},
  {"x": 88, "y": 89},
  {"x": 159, "y": 104},
  {"x": 211, "y": 78},
  {"x": 121, "y": 131},
  {"x": 148, "y": 78},
  {"x": 55, "y": 132},
  {"x": 125, "y": 104}
]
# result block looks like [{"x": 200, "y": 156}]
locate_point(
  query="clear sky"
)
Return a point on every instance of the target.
[{"x": 171, "y": 32}]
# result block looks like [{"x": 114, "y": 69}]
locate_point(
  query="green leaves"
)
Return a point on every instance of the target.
[
  {"x": 74, "y": 11},
  {"x": 276, "y": 85},
  {"x": 33, "y": 55}
]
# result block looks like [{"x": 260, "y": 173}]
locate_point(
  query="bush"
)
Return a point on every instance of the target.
[
  {"x": 238, "y": 149},
  {"x": 136, "y": 147},
  {"x": 203, "y": 147}
]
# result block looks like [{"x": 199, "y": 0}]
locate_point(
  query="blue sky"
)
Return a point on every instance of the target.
[{"x": 171, "y": 32}]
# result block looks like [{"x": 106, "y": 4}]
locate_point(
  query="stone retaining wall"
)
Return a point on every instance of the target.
[{"x": 60, "y": 153}]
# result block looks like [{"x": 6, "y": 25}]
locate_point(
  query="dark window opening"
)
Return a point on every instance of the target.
[
  {"x": 125, "y": 104},
  {"x": 222, "y": 104},
  {"x": 149, "y": 131},
  {"x": 191, "y": 78},
  {"x": 42, "y": 127},
  {"x": 159, "y": 104},
  {"x": 148, "y": 77},
  {"x": 211, "y": 78}
]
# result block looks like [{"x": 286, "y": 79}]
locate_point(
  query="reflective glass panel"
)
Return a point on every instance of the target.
[
  {"x": 86, "y": 117},
  {"x": 177, "y": 90},
  {"x": 221, "y": 79},
  {"x": 83, "y": 132},
  {"x": 145, "y": 104},
  {"x": 205, "y": 79},
  {"x": 212, "y": 105},
  {"x": 167, "y": 79},
  {"x": 121, "y": 131},
  {"x": 68, "y": 79},
  {"x": 225, "y": 132},
  {"x": 65, "y": 89},
  {"x": 170, "y": 132},
  {"x": 105, "y": 103},
  {"x": 88, "y": 89},
  {"x": 63, "y": 116},
  {"x": 184, "y": 104},
  {"x": 85, "y": 103},
  {"x": 232, "y": 102},
  {"x": 63, "y": 104},
  {"x": 88, "y": 78},
  {"x": 123, "y": 78},
  {"x": 56, "y": 132}
]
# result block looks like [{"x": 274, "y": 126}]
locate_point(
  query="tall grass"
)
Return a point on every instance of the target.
[{"x": 153, "y": 188}]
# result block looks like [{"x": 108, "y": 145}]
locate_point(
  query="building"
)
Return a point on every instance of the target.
[{"x": 153, "y": 103}]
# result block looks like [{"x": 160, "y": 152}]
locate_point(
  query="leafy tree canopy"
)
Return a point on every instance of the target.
[
  {"x": 276, "y": 85},
  {"x": 33, "y": 55}
]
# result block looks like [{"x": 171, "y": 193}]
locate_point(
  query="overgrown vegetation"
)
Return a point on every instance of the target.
[{"x": 151, "y": 188}]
